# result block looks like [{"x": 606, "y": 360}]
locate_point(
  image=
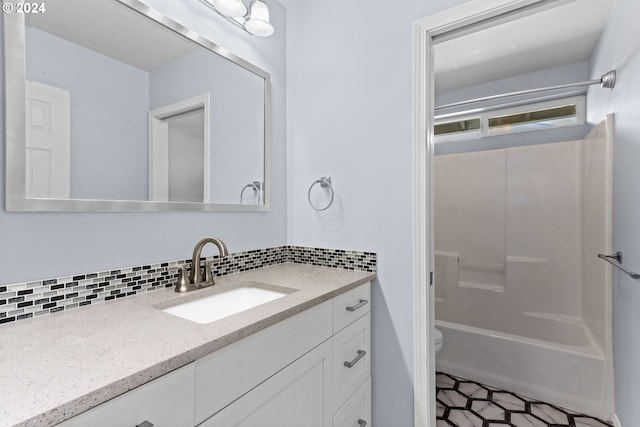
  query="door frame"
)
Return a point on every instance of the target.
[
  {"x": 159, "y": 145},
  {"x": 450, "y": 23}
]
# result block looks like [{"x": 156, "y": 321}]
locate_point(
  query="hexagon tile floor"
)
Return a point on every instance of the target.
[{"x": 464, "y": 403}]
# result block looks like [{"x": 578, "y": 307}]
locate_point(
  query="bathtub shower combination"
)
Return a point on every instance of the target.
[{"x": 522, "y": 300}]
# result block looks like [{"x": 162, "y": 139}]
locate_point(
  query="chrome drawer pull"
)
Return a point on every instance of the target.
[
  {"x": 362, "y": 423},
  {"x": 362, "y": 303},
  {"x": 145, "y": 424},
  {"x": 360, "y": 355}
]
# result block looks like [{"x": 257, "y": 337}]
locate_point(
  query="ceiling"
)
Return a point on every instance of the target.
[
  {"x": 135, "y": 40},
  {"x": 562, "y": 35},
  {"x": 558, "y": 36}
]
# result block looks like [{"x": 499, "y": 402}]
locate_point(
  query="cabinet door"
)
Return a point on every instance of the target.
[
  {"x": 163, "y": 402},
  {"x": 297, "y": 396},
  {"x": 229, "y": 373},
  {"x": 351, "y": 359},
  {"x": 357, "y": 411}
]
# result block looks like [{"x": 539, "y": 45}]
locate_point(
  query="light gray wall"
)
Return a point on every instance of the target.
[
  {"x": 619, "y": 48},
  {"x": 39, "y": 245},
  {"x": 549, "y": 77},
  {"x": 350, "y": 115},
  {"x": 109, "y": 104}
]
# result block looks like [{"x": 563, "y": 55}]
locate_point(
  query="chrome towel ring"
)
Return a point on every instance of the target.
[
  {"x": 325, "y": 182},
  {"x": 256, "y": 186}
]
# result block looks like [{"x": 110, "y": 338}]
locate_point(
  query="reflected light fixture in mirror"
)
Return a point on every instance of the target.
[
  {"x": 255, "y": 22},
  {"x": 231, "y": 8}
]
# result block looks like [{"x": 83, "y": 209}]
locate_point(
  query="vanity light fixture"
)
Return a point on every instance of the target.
[
  {"x": 258, "y": 23},
  {"x": 253, "y": 19}
]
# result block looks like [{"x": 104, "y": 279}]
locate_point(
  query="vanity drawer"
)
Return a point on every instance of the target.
[
  {"x": 351, "y": 359},
  {"x": 232, "y": 371},
  {"x": 350, "y": 306},
  {"x": 357, "y": 411},
  {"x": 164, "y": 402}
]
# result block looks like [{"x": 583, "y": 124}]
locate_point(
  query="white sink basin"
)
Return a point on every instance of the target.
[{"x": 218, "y": 306}]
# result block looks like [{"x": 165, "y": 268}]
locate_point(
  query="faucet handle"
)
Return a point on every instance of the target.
[
  {"x": 183, "y": 284},
  {"x": 208, "y": 275}
]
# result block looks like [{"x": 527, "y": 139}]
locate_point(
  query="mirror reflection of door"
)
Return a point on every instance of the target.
[
  {"x": 179, "y": 152},
  {"x": 47, "y": 149},
  {"x": 186, "y": 149}
]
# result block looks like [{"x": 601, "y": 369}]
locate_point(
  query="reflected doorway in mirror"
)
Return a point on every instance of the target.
[{"x": 179, "y": 151}]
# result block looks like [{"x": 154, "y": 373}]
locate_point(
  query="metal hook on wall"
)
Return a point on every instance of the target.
[{"x": 325, "y": 182}]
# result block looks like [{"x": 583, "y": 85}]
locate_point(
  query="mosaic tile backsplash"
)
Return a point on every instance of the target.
[{"x": 26, "y": 300}]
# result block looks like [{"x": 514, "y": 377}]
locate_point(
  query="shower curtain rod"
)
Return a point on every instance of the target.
[
  {"x": 608, "y": 80},
  {"x": 508, "y": 104}
]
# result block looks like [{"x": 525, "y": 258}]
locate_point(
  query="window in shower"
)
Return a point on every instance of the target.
[
  {"x": 459, "y": 129},
  {"x": 523, "y": 118}
]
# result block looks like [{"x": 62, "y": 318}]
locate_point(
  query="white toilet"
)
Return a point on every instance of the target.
[{"x": 437, "y": 339}]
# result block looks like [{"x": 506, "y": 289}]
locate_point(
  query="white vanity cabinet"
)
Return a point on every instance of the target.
[
  {"x": 325, "y": 385},
  {"x": 164, "y": 402},
  {"x": 312, "y": 369}
]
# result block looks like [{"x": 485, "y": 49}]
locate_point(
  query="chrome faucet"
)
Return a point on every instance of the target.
[
  {"x": 196, "y": 273},
  {"x": 195, "y": 280}
]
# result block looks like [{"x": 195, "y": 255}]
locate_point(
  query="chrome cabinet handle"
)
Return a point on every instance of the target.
[
  {"x": 145, "y": 424},
  {"x": 362, "y": 423},
  {"x": 360, "y": 355},
  {"x": 362, "y": 303}
]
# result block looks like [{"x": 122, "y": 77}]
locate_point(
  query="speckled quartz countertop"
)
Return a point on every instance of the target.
[{"x": 57, "y": 366}]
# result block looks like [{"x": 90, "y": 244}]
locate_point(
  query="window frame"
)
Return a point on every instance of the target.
[{"x": 484, "y": 116}]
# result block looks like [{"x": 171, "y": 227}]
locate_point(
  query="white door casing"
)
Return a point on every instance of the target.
[
  {"x": 452, "y": 23},
  {"x": 47, "y": 142},
  {"x": 159, "y": 145}
]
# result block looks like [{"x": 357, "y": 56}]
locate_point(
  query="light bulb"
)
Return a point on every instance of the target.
[
  {"x": 258, "y": 23},
  {"x": 232, "y": 8}
]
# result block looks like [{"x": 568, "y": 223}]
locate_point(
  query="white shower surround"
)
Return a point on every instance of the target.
[{"x": 522, "y": 300}]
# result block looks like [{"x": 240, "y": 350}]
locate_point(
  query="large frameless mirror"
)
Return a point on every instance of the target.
[{"x": 113, "y": 107}]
